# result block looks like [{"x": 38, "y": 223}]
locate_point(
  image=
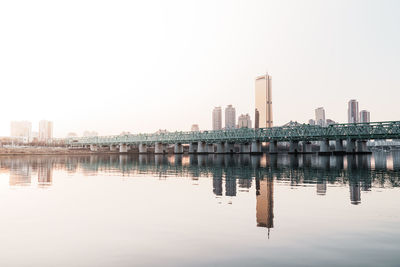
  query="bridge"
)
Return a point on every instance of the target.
[{"x": 246, "y": 140}]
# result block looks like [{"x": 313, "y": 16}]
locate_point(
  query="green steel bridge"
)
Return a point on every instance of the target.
[{"x": 351, "y": 132}]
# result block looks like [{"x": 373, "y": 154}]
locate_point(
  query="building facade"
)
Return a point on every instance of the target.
[
  {"x": 263, "y": 102},
  {"x": 217, "y": 118},
  {"x": 45, "y": 130},
  {"x": 352, "y": 111},
  {"x": 320, "y": 116},
  {"x": 21, "y": 129},
  {"x": 244, "y": 121},
  {"x": 195, "y": 128},
  {"x": 230, "y": 117},
  {"x": 365, "y": 116}
]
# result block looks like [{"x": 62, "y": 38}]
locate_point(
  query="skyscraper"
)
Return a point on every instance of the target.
[
  {"x": 230, "y": 117},
  {"x": 352, "y": 111},
  {"x": 364, "y": 116},
  {"x": 217, "y": 118},
  {"x": 263, "y": 112},
  {"x": 320, "y": 116},
  {"x": 21, "y": 129},
  {"x": 244, "y": 121},
  {"x": 45, "y": 130}
]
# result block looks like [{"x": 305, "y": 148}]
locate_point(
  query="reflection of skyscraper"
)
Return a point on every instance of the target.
[
  {"x": 45, "y": 175},
  {"x": 230, "y": 186},
  {"x": 321, "y": 187},
  {"x": 355, "y": 193},
  {"x": 265, "y": 203},
  {"x": 217, "y": 185},
  {"x": 20, "y": 173},
  {"x": 263, "y": 115}
]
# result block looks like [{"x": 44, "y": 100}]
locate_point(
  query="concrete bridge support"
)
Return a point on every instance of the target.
[
  {"x": 202, "y": 148},
  {"x": 307, "y": 147},
  {"x": 229, "y": 148},
  {"x": 220, "y": 148},
  {"x": 361, "y": 146},
  {"x": 245, "y": 148},
  {"x": 142, "y": 148},
  {"x": 159, "y": 148},
  {"x": 113, "y": 148},
  {"x": 273, "y": 147},
  {"x": 255, "y": 147},
  {"x": 192, "y": 148},
  {"x": 123, "y": 148},
  {"x": 93, "y": 148},
  {"x": 339, "y": 145},
  {"x": 294, "y": 147},
  {"x": 324, "y": 146},
  {"x": 178, "y": 149},
  {"x": 350, "y": 146},
  {"x": 210, "y": 148}
]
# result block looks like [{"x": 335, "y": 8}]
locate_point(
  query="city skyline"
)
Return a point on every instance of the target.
[{"x": 125, "y": 77}]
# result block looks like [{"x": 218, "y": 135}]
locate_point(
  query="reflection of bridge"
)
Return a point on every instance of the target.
[{"x": 249, "y": 140}]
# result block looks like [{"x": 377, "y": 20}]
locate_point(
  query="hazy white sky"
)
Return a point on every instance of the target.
[{"x": 139, "y": 66}]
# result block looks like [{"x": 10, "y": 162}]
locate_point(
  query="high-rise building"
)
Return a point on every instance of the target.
[
  {"x": 352, "y": 111},
  {"x": 230, "y": 117},
  {"x": 217, "y": 118},
  {"x": 311, "y": 122},
  {"x": 364, "y": 116},
  {"x": 195, "y": 128},
  {"x": 320, "y": 116},
  {"x": 263, "y": 112},
  {"x": 21, "y": 129},
  {"x": 45, "y": 130},
  {"x": 244, "y": 121}
]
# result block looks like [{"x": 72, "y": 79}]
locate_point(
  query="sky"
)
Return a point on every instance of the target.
[{"x": 140, "y": 66}]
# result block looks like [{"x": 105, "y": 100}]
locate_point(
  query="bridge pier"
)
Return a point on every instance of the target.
[
  {"x": 350, "y": 146},
  {"x": 339, "y": 146},
  {"x": 273, "y": 147},
  {"x": 142, "y": 148},
  {"x": 294, "y": 147},
  {"x": 255, "y": 147},
  {"x": 93, "y": 148},
  {"x": 113, "y": 148},
  {"x": 324, "y": 147},
  {"x": 244, "y": 148},
  {"x": 123, "y": 148},
  {"x": 178, "y": 149},
  {"x": 202, "y": 148},
  {"x": 210, "y": 148},
  {"x": 361, "y": 146},
  {"x": 192, "y": 148},
  {"x": 221, "y": 148},
  {"x": 307, "y": 147},
  {"x": 229, "y": 148},
  {"x": 159, "y": 148}
]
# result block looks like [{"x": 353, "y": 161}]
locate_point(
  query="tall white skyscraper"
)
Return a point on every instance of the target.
[
  {"x": 320, "y": 116},
  {"x": 244, "y": 121},
  {"x": 230, "y": 117},
  {"x": 21, "y": 129},
  {"x": 352, "y": 111},
  {"x": 217, "y": 118},
  {"x": 365, "y": 116},
  {"x": 45, "y": 130},
  {"x": 263, "y": 112}
]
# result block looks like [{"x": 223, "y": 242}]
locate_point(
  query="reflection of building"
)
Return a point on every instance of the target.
[
  {"x": 364, "y": 116},
  {"x": 321, "y": 187},
  {"x": 244, "y": 121},
  {"x": 230, "y": 186},
  {"x": 20, "y": 173},
  {"x": 355, "y": 193},
  {"x": 45, "y": 130},
  {"x": 320, "y": 116},
  {"x": 45, "y": 175},
  {"x": 217, "y": 185},
  {"x": 352, "y": 111},
  {"x": 230, "y": 117},
  {"x": 265, "y": 203},
  {"x": 217, "y": 118},
  {"x": 263, "y": 95}
]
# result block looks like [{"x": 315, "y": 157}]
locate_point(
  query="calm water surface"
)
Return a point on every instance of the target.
[{"x": 119, "y": 210}]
